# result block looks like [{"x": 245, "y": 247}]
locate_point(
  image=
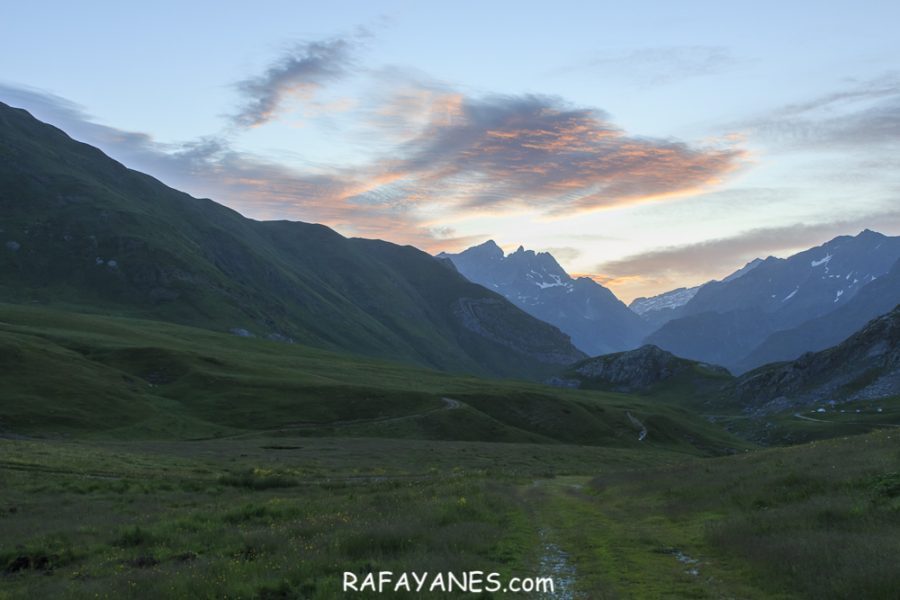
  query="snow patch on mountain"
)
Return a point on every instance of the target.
[
  {"x": 681, "y": 296},
  {"x": 824, "y": 261},
  {"x": 668, "y": 300}
]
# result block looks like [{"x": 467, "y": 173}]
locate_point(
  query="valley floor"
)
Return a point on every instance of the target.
[{"x": 285, "y": 516}]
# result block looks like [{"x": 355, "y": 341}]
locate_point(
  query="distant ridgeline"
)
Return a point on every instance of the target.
[
  {"x": 768, "y": 310},
  {"x": 863, "y": 368},
  {"x": 776, "y": 309}
]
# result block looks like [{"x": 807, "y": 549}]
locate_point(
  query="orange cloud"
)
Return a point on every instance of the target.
[
  {"x": 531, "y": 151},
  {"x": 442, "y": 157}
]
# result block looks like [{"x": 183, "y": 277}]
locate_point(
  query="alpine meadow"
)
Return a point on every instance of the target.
[{"x": 489, "y": 301}]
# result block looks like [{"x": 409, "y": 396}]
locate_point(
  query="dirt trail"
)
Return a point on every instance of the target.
[
  {"x": 553, "y": 561},
  {"x": 873, "y": 425},
  {"x": 449, "y": 404},
  {"x": 556, "y": 564}
]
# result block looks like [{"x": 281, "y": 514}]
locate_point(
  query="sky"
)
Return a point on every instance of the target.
[{"x": 648, "y": 145}]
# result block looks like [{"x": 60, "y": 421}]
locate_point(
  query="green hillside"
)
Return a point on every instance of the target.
[
  {"x": 81, "y": 231},
  {"x": 118, "y": 378}
]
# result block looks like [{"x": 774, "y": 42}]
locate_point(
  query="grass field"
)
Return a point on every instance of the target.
[
  {"x": 284, "y": 517},
  {"x": 820, "y": 520},
  {"x": 146, "y": 460},
  {"x": 269, "y": 518}
]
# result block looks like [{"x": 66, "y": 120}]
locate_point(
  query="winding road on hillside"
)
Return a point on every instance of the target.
[
  {"x": 448, "y": 404},
  {"x": 805, "y": 418}
]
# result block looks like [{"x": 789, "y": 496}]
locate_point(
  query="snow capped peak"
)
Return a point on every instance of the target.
[{"x": 672, "y": 299}]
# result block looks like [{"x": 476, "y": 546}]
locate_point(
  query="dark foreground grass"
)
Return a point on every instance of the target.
[
  {"x": 262, "y": 519},
  {"x": 814, "y": 521},
  {"x": 284, "y": 517}
]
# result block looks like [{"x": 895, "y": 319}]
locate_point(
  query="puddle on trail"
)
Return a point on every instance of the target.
[
  {"x": 684, "y": 559},
  {"x": 556, "y": 564}
]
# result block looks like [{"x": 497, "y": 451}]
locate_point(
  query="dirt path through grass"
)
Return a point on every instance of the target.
[
  {"x": 872, "y": 425},
  {"x": 448, "y": 404},
  {"x": 613, "y": 546},
  {"x": 555, "y": 563}
]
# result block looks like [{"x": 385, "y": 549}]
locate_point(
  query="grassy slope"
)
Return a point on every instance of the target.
[
  {"x": 70, "y": 211},
  {"x": 109, "y": 377},
  {"x": 805, "y": 424}
]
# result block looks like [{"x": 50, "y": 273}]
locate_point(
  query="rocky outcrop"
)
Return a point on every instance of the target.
[
  {"x": 638, "y": 370},
  {"x": 866, "y": 366}
]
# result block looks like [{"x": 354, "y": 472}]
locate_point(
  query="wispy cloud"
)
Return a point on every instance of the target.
[
  {"x": 863, "y": 114},
  {"x": 563, "y": 253},
  {"x": 654, "y": 66},
  {"x": 299, "y": 73},
  {"x": 718, "y": 257}
]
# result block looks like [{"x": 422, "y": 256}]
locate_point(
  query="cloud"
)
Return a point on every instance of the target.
[
  {"x": 211, "y": 166},
  {"x": 453, "y": 156},
  {"x": 299, "y": 73},
  {"x": 719, "y": 257},
  {"x": 434, "y": 155},
  {"x": 501, "y": 152},
  {"x": 649, "y": 67},
  {"x": 863, "y": 115},
  {"x": 563, "y": 253}
]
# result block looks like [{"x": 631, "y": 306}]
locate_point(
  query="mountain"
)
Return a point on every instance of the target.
[
  {"x": 640, "y": 370},
  {"x": 744, "y": 270},
  {"x": 865, "y": 366},
  {"x": 874, "y": 299},
  {"x": 727, "y": 320},
  {"x": 80, "y": 231},
  {"x": 597, "y": 321},
  {"x": 662, "y": 308}
]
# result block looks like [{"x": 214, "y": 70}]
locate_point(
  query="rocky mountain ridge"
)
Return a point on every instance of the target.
[{"x": 596, "y": 320}]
